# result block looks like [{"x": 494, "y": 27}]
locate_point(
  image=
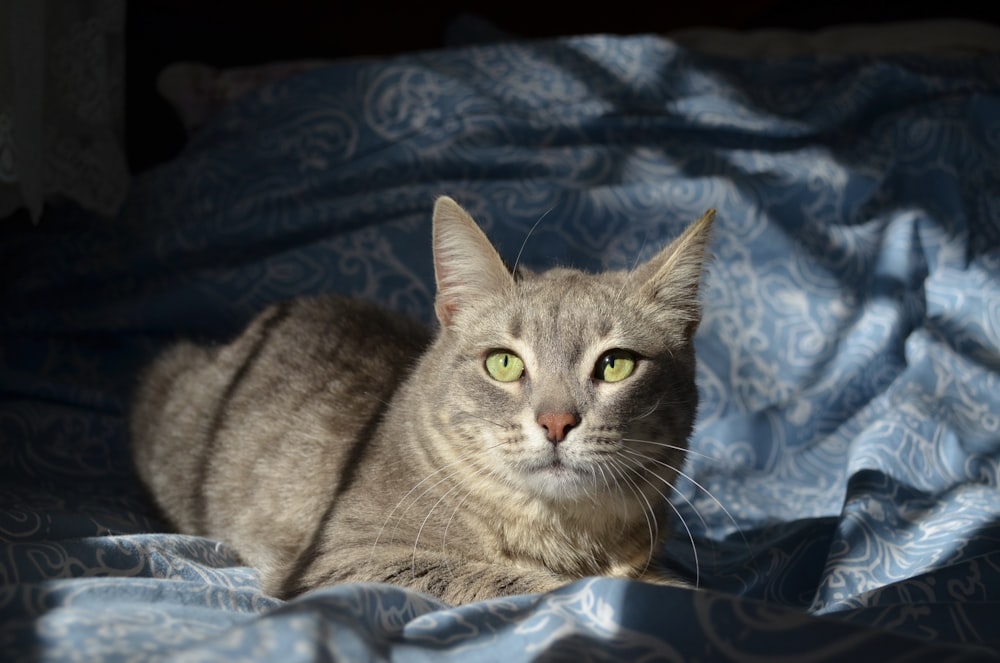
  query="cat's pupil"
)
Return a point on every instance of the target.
[
  {"x": 504, "y": 366},
  {"x": 614, "y": 366}
]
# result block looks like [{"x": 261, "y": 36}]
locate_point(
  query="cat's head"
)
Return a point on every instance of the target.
[{"x": 566, "y": 384}]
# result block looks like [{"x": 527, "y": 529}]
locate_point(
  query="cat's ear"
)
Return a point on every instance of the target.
[
  {"x": 670, "y": 279},
  {"x": 466, "y": 266}
]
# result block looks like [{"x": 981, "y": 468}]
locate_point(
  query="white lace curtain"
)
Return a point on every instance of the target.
[{"x": 62, "y": 104}]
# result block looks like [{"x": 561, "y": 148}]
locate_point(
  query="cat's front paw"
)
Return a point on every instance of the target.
[{"x": 654, "y": 575}]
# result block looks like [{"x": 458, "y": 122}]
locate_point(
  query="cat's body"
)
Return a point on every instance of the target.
[{"x": 533, "y": 441}]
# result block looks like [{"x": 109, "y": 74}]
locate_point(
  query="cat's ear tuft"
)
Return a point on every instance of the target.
[
  {"x": 466, "y": 266},
  {"x": 671, "y": 279}
]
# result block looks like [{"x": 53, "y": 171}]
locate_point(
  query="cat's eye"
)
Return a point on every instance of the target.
[
  {"x": 614, "y": 366},
  {"x": 504, "y": 366}
]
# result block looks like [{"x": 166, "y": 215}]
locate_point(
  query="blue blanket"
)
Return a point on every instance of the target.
[{"x": 841, "y": 497}]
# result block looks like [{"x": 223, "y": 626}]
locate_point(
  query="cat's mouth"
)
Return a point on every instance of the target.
[
  {"x": 556, "y": 479},
  {"x": 556, "y": 468}
]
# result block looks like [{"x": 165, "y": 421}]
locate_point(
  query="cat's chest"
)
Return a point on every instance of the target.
[{"x": 569, "y": 544}]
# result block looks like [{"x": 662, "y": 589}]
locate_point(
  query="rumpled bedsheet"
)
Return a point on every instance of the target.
[{"x": 840, "y": 501}]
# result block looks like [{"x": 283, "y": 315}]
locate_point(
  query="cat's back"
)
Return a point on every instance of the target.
[{"x": 214, "y": 427}]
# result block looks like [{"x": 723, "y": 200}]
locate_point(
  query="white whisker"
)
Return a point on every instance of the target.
[
  {"x": 420, "y": 530},
  {"x": 517, "y": 260},
  {"x": 694, "y": 547},
  {"x": 631, "y": 271},
  {"x": 651, "y": 522},
  {"x": 447, "y": 526},
  {"x": 648, "y": 412},
  {"x": 480, "y": 418},
  {"x": 597, "y": 488},
  {"x": 669, "y": 484},
  {"x": 665, "y": 445},
  {"x": 461, "y": 459},
  {"x": 691, "y": 479}
]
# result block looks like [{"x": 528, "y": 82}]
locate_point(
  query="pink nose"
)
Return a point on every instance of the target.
[{"x": 557, "y": 425}]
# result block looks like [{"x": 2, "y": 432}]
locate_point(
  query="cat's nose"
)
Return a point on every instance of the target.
[{"x": 557, "y": 425}]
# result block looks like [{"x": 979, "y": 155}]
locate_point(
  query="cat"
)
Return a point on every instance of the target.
[{"x": 532, "y": 441}]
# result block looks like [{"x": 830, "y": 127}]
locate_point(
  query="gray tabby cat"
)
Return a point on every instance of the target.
[{"x": 532, "y": 442}]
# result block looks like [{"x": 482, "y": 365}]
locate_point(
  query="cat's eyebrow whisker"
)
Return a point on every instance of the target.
[
  {"x": 676, "y": 400},
  {"x": 638, "y": 254},
  {"x": 517, "y": 260},
  {"x": 663, "y": 402},
  {"x": 635, "y": 264},
  {"x": 648, "y": 412}
]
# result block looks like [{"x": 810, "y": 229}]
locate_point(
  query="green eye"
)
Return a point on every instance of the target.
[
  {"x": 614, "y": 366},
  {"x": 504, "y": 366}
]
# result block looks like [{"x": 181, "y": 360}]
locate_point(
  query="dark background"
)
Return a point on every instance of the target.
[{"x": 257, "y": 31}]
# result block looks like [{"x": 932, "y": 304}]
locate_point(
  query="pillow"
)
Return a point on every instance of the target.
[{"x": 197, "y": 91}]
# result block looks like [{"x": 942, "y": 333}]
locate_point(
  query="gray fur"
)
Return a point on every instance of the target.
[{"x": 336, "y": 442}]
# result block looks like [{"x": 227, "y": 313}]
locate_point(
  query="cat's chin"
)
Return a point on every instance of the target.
[{"x": 559, "y": 480}]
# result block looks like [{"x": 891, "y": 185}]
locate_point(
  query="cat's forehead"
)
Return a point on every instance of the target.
[
  {"x": 568, "y": 305},
  {"x": 564, "y": 316},
  {"x": 573, "y": 290}
]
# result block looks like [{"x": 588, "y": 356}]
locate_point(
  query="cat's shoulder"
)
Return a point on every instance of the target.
[{"x": 349, "y": 319}]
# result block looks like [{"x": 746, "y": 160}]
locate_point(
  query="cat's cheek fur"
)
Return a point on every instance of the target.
[{"x": 528, "y": 462}]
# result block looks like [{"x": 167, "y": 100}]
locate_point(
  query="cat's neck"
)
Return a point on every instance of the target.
[{"x": 576, "y": 537}]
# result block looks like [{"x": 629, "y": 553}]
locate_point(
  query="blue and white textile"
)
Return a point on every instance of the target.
[{"x": 842, "y": 490}]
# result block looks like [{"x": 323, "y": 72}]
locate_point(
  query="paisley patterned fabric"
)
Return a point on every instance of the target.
[{"x": 841, "y": 498}]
